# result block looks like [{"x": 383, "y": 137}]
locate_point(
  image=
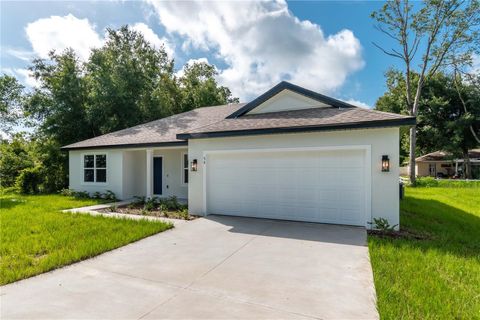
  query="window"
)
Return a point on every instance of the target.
[
  {"x": 185, "y": 168},
  {"x": 95, "y": 168}
]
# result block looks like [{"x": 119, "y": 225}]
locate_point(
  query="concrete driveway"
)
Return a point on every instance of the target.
[{"x": 215, "y": 267}]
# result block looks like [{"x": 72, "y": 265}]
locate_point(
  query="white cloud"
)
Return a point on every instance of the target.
[
  {"x": 59, "y": 33},
  {"x": 23, "y": 75},
  {"x": 262, "y": 43},
  {"x": 153, "y": 38},
  {"x": 190, "y": 62},
  {"x": 21, "y": 54},
  {"x": 359, "y": 103}
]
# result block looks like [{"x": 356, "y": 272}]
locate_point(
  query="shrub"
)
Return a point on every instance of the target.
[
  {"x": 110, "y": 195},
  {"x": 427, "y": 182},
  {"x": 81, "y": 194},
  {"x": 171, "y": 203},
  {"x": 150, "y": 204},
  {"x": 67, "y": 192},
  {"x": 97, "y": 195},
  {"x": 138, "y": 200},
  {"x": 184, "y": 214},
  {"x": 382, "y": 224},
  {"x": 29, "y": 180}
]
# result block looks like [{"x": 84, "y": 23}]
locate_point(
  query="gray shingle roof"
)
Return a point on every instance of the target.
[
  {"x": 158, "y": 132},
  {"x": 444, "y": 156},
  {"x": 326, "y": 117}
]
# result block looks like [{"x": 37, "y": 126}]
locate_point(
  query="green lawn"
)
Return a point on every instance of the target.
[
  {"x": 437, "y": 277},
  {"x": 35, "y": 237}
]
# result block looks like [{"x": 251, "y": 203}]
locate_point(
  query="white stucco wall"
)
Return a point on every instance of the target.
[
  {"x": 114, "y": 172},
  {"x": 126, "y": 172},
  {"x": 134, "y": 173},
  {"x": 172, "y": 172},
  {"x": 383, "y": 141}
]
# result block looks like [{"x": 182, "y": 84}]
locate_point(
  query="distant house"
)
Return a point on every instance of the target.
[
  {"x": 442, "y": 164},
  {"x": 290, "y": 154}
]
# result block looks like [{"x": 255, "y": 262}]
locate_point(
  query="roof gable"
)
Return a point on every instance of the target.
[
  {"x": 287, "y": 100},
  {"x": 287, "y": 97}
]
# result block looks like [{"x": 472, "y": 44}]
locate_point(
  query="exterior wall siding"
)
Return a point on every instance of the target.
[
  {"x": 114, "y": 172},
  {"x": 383, "y": 141}
]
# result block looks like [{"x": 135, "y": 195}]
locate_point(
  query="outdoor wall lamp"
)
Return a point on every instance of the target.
[
  {"x": 385, "y": 163},
  {"x": 194, "y": 165}
]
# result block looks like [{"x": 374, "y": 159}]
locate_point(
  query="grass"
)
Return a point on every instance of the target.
[
  {"x": 437, "y": 277},
  {"x": 36, "y": 237}
]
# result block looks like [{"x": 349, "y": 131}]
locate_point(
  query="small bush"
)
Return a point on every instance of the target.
[
  {"x": 113, "y": 208},
  {"x": 29, "y": 180},
  {"x": 67, "y": 192},
  {"x": 150, "y": 204},
  {"x": 138, "y": 200},
  {"x": 382, "y": 224},
  {"x": 110, "y": 195},
  {"x": 184, "y": 214},
  {"x": 427, "y": 182},
  {"x": 171, "y": 203},
  {"x": 81, "y": 195},
  {"x": 97, "y": 195}
]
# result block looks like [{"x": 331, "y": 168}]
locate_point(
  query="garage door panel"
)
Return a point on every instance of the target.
[{"x": 317, "y": 186}]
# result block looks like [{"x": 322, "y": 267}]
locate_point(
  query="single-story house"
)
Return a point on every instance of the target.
[
  {"x": 443, "y": 164},
  {"x": 290, "y": 154}
]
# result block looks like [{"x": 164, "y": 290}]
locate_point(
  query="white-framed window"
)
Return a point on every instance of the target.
[
  {"x": 184, "y": 168},
  {"x": 95, "y": 168}
]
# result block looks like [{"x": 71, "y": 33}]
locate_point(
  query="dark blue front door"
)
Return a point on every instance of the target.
[{"x": 157, "y": 175}]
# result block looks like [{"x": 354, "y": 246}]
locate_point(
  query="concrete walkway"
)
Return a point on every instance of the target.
[{"x": 211, "y": 268}]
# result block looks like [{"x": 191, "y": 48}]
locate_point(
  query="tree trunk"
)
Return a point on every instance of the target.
[
  {"x": 467, "y": 166},
  {"x": 413, "y": 142}
]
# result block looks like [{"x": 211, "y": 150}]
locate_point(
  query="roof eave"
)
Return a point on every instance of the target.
[
  {"x": 410, "y": 121},
  {"x": 127, "y": 145}
]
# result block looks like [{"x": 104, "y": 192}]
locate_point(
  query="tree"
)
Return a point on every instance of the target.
[
  {"x": 443, "y": 122},
  {"x": 121, "y": 77},
  {"x": 436, "y": 35},
  {"x": 124, "y": 83},
  {"x": 59, "y": 105},
  {"x": 15, "y": 156},
  {"x": 199, "y": 87},
  {"x": 11, "y": 97}
]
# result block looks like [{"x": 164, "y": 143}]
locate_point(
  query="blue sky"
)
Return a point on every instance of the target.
[{"x": 324, "y": 46}]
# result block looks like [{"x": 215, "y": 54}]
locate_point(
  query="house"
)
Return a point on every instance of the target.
[
  {"x": 290, "y": 154},
  {"x": 443, "y": 164}
]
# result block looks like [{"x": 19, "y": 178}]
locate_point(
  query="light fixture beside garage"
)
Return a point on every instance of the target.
[
  {"x": 385, "y": 163},
  {"x": 194, "y": 165}
]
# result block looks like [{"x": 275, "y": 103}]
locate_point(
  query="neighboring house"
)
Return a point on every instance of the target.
[
  {"x": 289, "y": 154},
  {"x": 443, "y": 164}
]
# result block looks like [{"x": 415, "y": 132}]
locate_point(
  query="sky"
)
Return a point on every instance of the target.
[{"x": 325, "y": 46}]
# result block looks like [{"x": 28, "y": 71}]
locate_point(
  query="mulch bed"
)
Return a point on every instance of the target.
[
  {"x": 138, "y": 210},
  {"x": 402, "y": 234}
]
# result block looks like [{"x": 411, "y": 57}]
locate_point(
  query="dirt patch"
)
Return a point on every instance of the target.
[{"x": 402, "y": 234}]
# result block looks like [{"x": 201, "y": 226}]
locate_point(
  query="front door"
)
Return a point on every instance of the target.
[
  {"x": 157, "y": 175},
  {"x": 432, "y": 168}
]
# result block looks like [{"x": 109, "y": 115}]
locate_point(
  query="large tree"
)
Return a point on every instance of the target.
[
  {"x": 125, "y": 82},
  {"x": 11, "y": 98},
  {"x": 445, "y": 121},
  {"x": 427, "y": 38}
]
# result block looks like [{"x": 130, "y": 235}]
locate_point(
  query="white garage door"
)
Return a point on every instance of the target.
[{"x": 315, "y": 186}]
